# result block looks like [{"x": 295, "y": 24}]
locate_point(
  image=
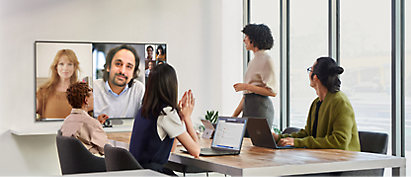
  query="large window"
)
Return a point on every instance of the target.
[
  {"x": 366, "y": 57},
  {"x": 267, "y": 12},
  {"x": 308, "y": 41},
  {"x": 364, "y": 52}
]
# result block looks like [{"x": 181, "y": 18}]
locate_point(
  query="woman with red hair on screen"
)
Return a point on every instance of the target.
[{"x": 51, "y": 96}]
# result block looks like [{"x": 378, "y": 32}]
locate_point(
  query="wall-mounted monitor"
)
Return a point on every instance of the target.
[
  {"x": 57, "y": 64},
  {"x": 118, "y": 82},
  {"x": 118, "y": 85}
]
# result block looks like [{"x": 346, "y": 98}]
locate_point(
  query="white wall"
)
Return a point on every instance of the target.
[{"x": 204, "y": 45}]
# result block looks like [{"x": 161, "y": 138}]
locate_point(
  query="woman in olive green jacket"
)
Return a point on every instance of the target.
[{"x": 331, "y": 119}]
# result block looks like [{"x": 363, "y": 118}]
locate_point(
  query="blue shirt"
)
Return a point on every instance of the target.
[{"x": 115, "y": 94}]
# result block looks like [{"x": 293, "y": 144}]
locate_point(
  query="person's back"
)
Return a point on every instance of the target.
[
  {"x": 146, "y": 145},
  {"x": 161, "y": 119},
  {"x": 87, "y": 129},
  {"x": 81, "y": 125}
]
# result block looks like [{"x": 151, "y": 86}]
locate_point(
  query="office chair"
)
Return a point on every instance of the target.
[
  {"x": 184, "y": 168},
  {"x": 75, "y": 158},
  {"x": 289, "y": 130},
  {"x": 119, "y": 159},
  {"x": 373, "y": 142}
]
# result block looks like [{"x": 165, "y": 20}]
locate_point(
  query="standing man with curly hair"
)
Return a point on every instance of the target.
[{"x": 260, "y": 81}]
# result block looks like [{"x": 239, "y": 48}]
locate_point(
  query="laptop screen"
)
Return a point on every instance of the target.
[{"x": 229, "y": 133}]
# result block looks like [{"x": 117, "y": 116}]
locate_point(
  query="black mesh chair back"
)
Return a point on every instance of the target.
[
  {"x": 118, "y": 159},
  {"x": 289, "y": 130},
  {"x": 75, "y": 158},
  {"x": 373, "y": 142}
]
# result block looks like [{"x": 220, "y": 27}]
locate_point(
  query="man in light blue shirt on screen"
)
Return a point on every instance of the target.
[{"x": 118, "y": 94}]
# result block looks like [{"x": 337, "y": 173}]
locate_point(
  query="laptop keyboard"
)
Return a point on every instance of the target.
[{"x": 211, "y": 151}]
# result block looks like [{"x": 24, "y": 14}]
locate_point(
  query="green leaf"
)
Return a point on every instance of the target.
[
  {"x": 211, "y": 115},
  {"x": 276, "y": 130},
  {"x": 215, "y": 117}
]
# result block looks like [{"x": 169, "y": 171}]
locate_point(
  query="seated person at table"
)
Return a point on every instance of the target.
[
  {"x": 119, "y": 94},
  {"x": 160, "y": 121},
  {"x": 79, "y": 124},
  {"x": 331, "y": 120}
]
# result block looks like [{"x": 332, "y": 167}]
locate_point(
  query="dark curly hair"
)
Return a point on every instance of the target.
[
  {"x": 77, "y": 93},
  {"x": 327, "y": 71},
  {"x": 259, "y": 35}
]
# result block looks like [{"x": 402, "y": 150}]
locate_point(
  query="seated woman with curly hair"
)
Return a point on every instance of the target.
[{"x": 80, "y": 124}]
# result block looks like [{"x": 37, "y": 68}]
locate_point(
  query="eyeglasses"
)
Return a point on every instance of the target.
[{"x": 309, "y": 69}]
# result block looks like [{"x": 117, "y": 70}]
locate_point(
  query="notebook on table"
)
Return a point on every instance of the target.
[
  {"x": 260, "y": 134},
  {"x": 228, "y": 137}
]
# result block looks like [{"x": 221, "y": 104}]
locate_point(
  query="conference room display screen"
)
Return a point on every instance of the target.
[
  {"x": 100, "y": 51},
  {"x": 91, "y": 59}
]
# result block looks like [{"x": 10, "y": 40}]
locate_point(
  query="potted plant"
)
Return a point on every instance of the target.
[
  {"x": 211, "y": 116},
  {"x": 276, "y": 130}
]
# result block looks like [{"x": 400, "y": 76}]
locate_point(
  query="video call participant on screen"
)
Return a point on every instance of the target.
[
  {"x": 160, "y": 54},
  {"x": 150, "y": 57},
  {"x": 80, "y": 124},
  {"x": 118, "y": 94},
  {"x": 331, "y": 120},
  {"x": 150, "y": 67},
  {"x": 51, "y": 98},
  {"x": 161, "y": 120},
  {"x": 260, "y": 81}
]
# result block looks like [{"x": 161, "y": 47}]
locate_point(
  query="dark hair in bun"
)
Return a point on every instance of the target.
[{"x": 327, "y": 71}]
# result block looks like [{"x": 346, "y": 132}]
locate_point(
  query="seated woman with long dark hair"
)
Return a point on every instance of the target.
[
  {"x": 80, "y": 124},
  {"x": 161, "y": 120}
]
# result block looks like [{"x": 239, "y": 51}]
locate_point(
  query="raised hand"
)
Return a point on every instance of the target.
[{"x": 186, "y": 104}]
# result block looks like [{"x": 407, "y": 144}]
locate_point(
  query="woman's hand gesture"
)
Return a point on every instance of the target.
[
  {"x": 186, "y": 104},
  {"x": 102, "y": 118}
]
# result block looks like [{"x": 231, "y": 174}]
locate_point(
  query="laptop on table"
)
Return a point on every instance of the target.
[
  {"x": 260, "y": 134},
  {"x": 228, "y": 137}
]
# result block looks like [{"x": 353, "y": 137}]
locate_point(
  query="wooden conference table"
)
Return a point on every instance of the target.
[{"x": 259, "y": 161}]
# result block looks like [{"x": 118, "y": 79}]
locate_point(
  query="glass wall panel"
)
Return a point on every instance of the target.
[
  {"x": 268, "y": 13},
  {"x": 308, "y": 41},
  {"x": 366, "y": 57}
]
